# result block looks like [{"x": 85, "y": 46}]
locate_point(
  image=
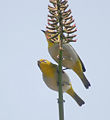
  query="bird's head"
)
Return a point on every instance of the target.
[
  {"x": 48, "y": 36},
  {"x": 42, "y": 63},
  {"x": 46, "y": 66}
]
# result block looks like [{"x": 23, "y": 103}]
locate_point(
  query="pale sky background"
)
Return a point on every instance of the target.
[{"x": 23, "y": 94}]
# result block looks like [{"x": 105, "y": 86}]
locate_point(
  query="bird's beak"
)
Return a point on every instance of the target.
[
  {"x": 43, "y": 31},
  {"x": 38, "y": 63}
]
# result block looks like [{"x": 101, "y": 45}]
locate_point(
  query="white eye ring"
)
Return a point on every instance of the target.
[{"x": 44, "y": 61}]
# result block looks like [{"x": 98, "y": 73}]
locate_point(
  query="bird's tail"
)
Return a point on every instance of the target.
[
  {"x": 85, "y": 81},
  {"x": 71, "y": 92},
  {"x": 83, "y": 78}
]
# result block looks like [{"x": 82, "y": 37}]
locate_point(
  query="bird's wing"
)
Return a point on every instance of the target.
[{"x": 83, "y": 67}]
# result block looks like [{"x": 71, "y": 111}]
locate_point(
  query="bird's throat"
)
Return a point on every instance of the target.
[{"x": 50, "y": 44}]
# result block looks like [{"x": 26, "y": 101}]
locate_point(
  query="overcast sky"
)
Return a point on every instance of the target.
[{"x": 23, "y": 94}]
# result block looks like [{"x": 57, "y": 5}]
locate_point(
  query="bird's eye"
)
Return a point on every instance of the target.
[{"x": 44, "y": 61}]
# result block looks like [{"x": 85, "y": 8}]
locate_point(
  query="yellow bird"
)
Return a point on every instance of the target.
[
  {"x": 50, "y": 77},
  {"x": 71, "y": 59}
]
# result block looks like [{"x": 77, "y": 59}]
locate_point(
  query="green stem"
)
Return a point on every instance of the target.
[{"x": 60, "y": 100}]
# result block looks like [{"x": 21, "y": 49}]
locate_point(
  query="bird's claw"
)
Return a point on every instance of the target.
[{"x": 65, "y": 68}]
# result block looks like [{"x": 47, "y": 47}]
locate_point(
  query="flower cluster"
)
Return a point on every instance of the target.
[{"x": 60, "y": 21}]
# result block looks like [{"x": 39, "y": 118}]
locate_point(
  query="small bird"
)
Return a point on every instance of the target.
[
  {"x": 71, "y": 60},
  {"x": 50, "y": 77}
]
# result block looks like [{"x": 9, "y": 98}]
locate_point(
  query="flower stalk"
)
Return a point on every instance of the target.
[{"x": 61, "y": 28}]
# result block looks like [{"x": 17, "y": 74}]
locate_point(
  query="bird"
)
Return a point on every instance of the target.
[
  {"x": 70, "y": 58},
  {"x": 50, "y": 77}
]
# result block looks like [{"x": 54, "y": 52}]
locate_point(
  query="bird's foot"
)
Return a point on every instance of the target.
[{"x": 65, "y": 68}]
